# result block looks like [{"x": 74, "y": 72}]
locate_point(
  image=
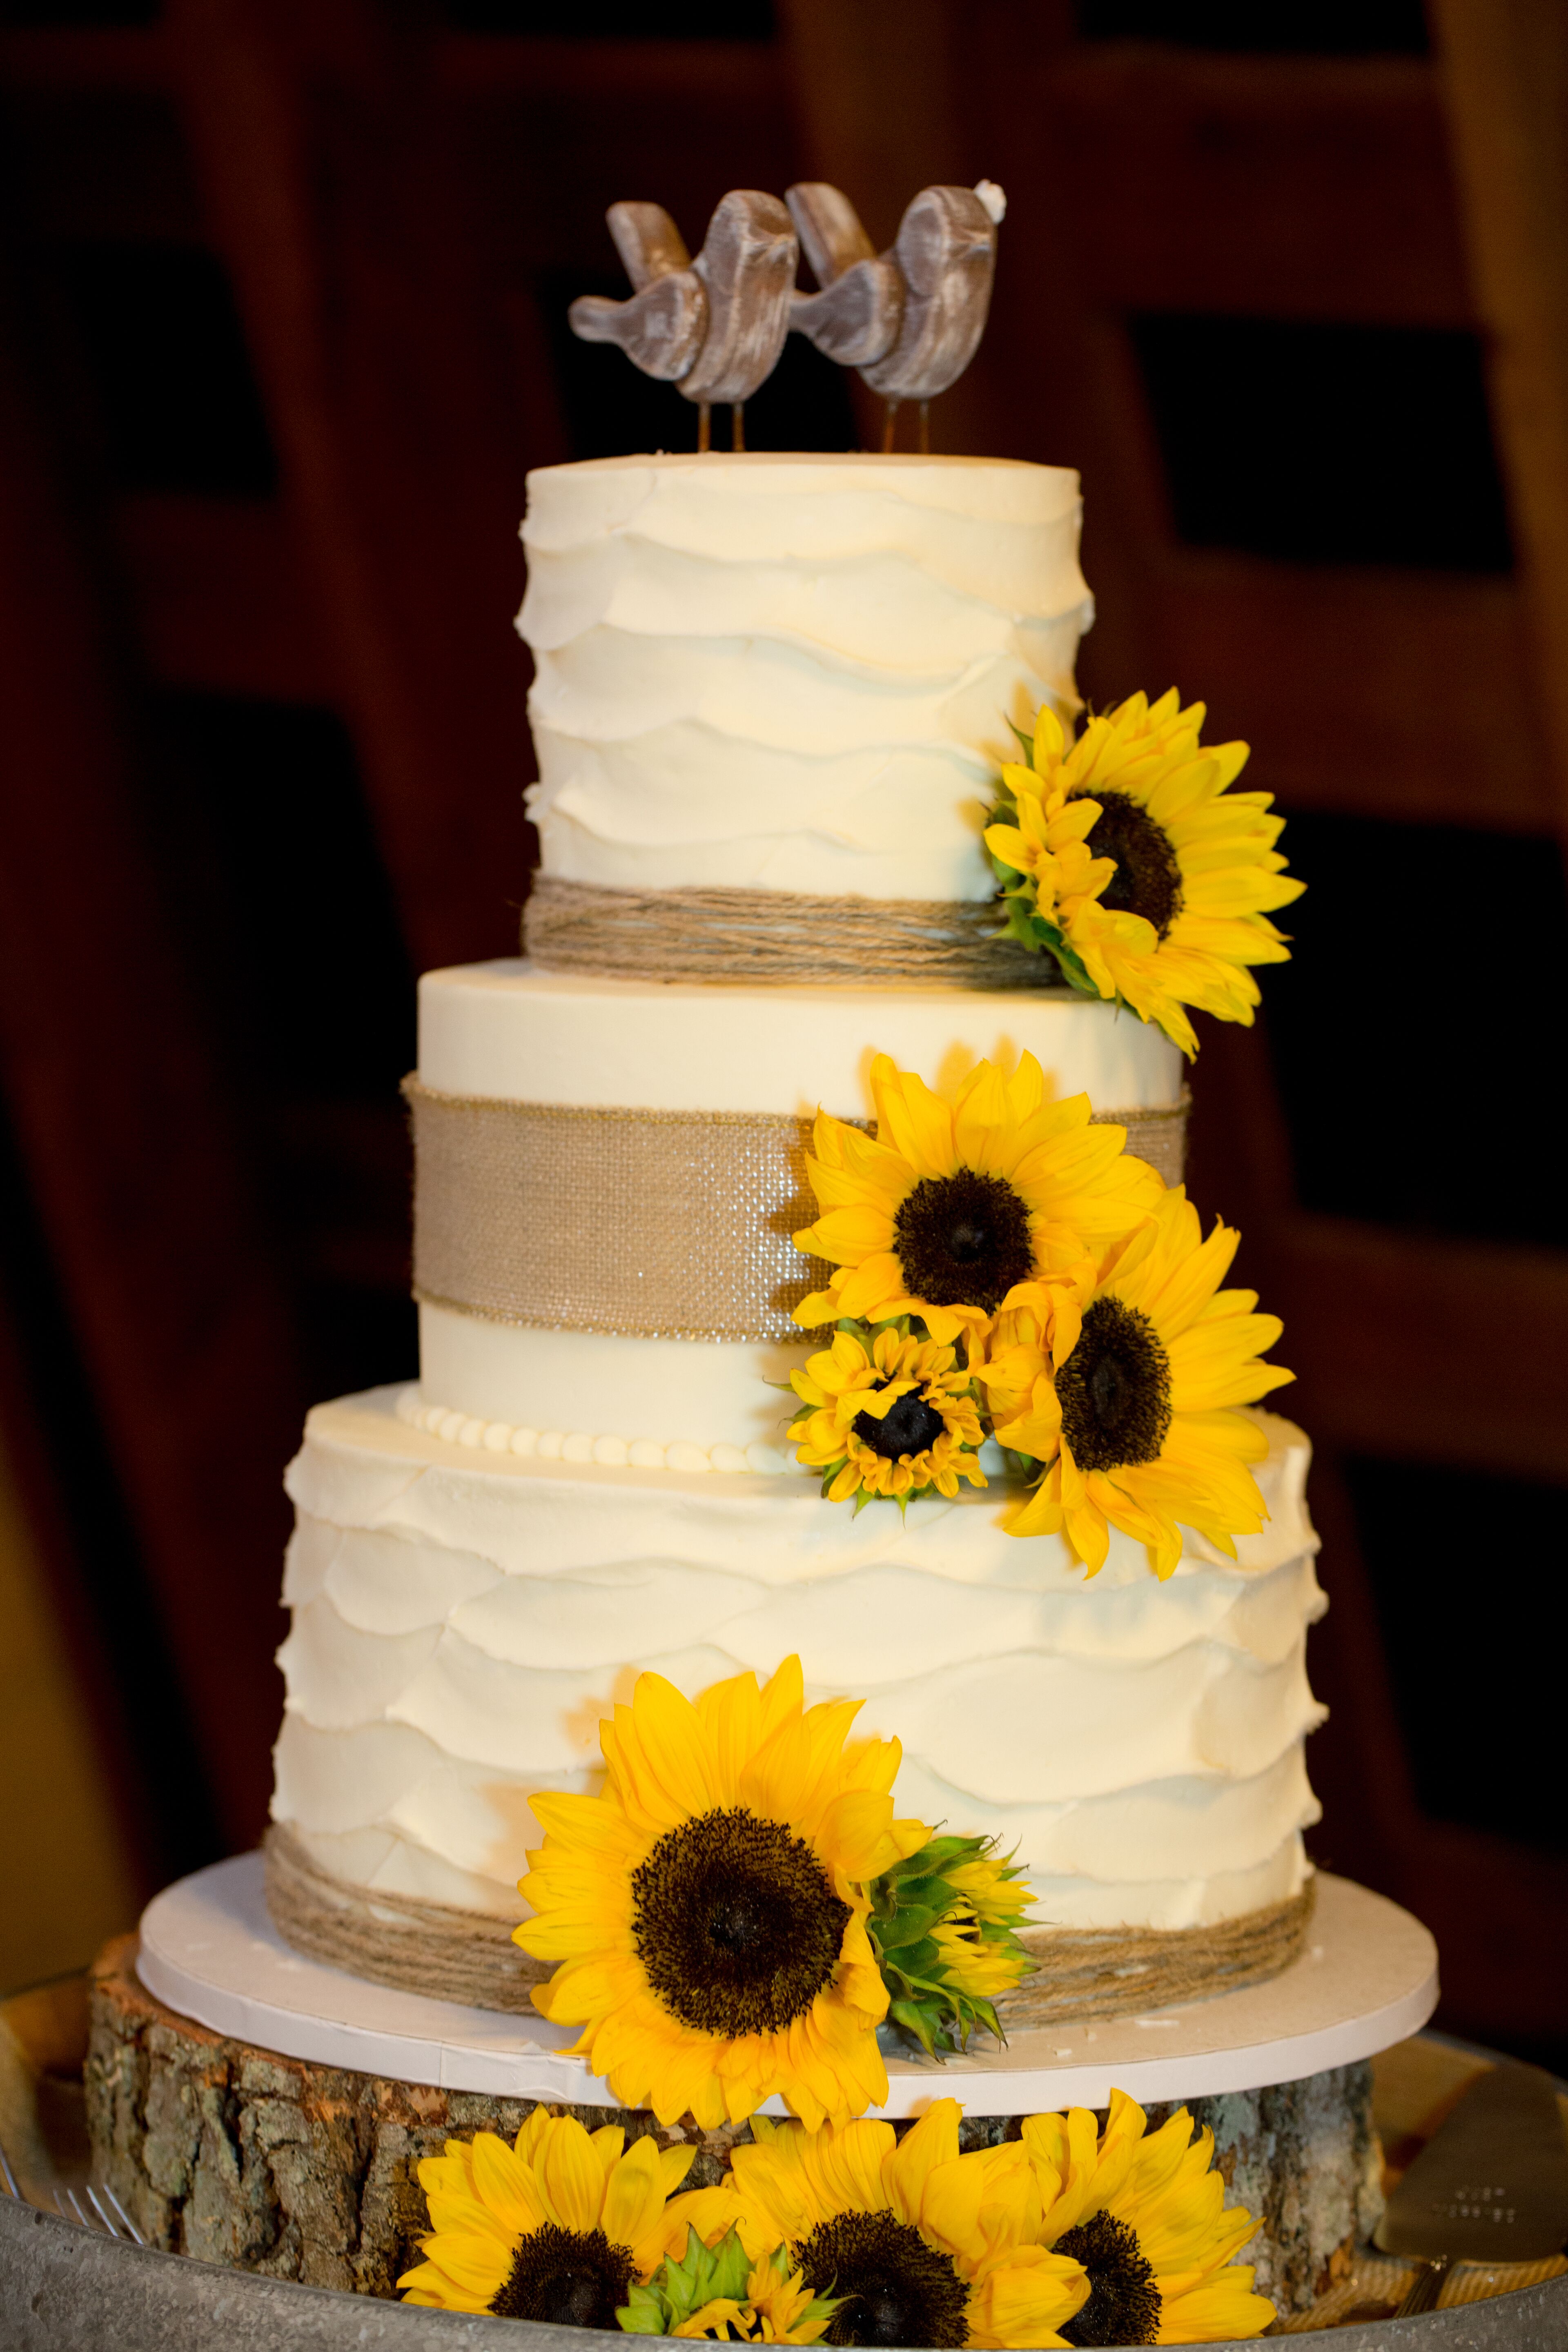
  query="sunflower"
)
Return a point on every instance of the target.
[
  {"x": 1143, "y": 2211},
  {"x": 1134, "y": 1413},
  {"x": 920, "y": 2244},
  {"x": 943, "y": 1924},
  {"x": 954, "y": 1205},
  {"x": 887, "y": 1414},
  {"x": 715, "y": 2289},
  {"x": 1040, "y": 1329},
  {"x": 977, "y": 1938},
  {"x": 776, "y": 2307},
  {"x": 1185, "y": 910},
  {"x": 709, "y": 1909},
  {"x": 557, "y": 2227},
  {"x": 1039, "y": 849}
]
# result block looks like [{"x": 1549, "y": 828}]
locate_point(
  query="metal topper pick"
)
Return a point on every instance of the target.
[{"x": 909, "y": 318}]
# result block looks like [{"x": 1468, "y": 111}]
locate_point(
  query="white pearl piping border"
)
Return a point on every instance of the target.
[{"x": 456, "y": 1428}]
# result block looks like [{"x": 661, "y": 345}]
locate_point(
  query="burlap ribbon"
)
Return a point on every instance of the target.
[
  {"x": 653, "y": 1224},
  {"x": 774, "y": 939},
  {"x": 449, "y": 1955}
]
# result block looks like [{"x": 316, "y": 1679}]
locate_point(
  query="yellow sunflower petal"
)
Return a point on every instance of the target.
[
  {"x": 933, "y": 2141},
  {"x": 507, "y": 2186},
  {"x": 917, "y": 1123},
  {"x": 633, "y": 2195},
  {"x": 571, "y": 2176},
  {"x": 1224, "y": 2308}
]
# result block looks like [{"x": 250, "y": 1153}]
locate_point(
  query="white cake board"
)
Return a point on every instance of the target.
[{"x": 1368, "y": 1978}]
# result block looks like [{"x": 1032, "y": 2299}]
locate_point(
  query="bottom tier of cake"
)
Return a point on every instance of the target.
[{"x": 463, "y": 1618}]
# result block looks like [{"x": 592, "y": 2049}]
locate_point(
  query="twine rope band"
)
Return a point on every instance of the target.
[
  {"x": 655, "y": 1224},
  {"x": 395, "y": 1939},
  {"x": 775, "y": 938},
  {"x": 463, "y": 1956},
  {"x": 1105, "y": 1972}
]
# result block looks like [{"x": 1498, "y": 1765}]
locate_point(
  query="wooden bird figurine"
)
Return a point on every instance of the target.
[
  {"x": 909, "y": 342},
  {"x": 714, "y": 326},
  {"x": 662, "y": 328},
  {"x": 855, "y": 318}
]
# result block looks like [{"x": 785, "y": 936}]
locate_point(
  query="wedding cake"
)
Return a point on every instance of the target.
[{"x": 772, "y": 698}]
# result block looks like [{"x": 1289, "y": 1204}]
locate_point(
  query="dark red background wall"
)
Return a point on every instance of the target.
[{"x": 283, "y": 287}]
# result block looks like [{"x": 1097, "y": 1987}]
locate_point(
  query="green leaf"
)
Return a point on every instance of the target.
[
  {"x": 905, "y": 1927},
  {"x": 910, "y": 2018},
  {"x": 908, "y": 1899},
  {"x": 730, "y": 2268},
  {"x": 675, "y": 2290},
  {"x": 919, "y": 1959},
  {"x": 644, "y": 2314}
]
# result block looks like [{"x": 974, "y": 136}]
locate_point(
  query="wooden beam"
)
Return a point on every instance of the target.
[
  {"x": 1421, "y": 1348},
  {"x": 218, "y": 598},
  {"x": 481, "y": 67},
  {"x": 1415, "y": 1346},
  {"x": 1394, "y": 695},
  {"x": 554, "y": 132},
  {"x": 76, "y": 58},
  {"x": 1505, "y": 79},
  {"x": 97, "y": 161},
  {"x": 119, "y": 1112},
  {"x": 323, "y": 147},
  {"x": 1267, "y": 187}
]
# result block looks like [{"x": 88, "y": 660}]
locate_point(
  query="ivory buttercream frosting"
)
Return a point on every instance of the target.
[
  {"x": 785, "y": 673},
  {"x": 462, "y": 1620}
]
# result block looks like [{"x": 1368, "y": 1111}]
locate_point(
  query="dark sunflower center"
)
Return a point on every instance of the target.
[
  {"x": 963, "y": 1240},
  {"x": 1148, "y": 880},
  {"x": 1123, "y": 2304},
  {"x": 909, "y": 1428},
  {"x": 567, "y": 2278},
  {"x": 736, "y": 1923},
  {"x": 1115, "y": 1389},
  {"x": 897, "y": 2289}
]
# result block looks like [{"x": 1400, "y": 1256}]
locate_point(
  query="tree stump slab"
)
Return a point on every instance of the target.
[{"x": 293, "y": 2170}]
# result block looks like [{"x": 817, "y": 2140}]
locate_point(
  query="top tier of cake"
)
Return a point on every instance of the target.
[{"x": 791, "y": 672}]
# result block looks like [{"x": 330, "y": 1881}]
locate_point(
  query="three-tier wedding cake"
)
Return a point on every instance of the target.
[{"x": 773, "y": 697}]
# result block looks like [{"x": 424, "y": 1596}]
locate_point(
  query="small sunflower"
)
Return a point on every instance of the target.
[
  {"x": 1143, "y": 2212},
  {"x": 953, "y": 1205},
  {"x": 918, "y": 2244},
  {"x": 887, "y": 1414},
  {"x": 1195, "y": 875},
  {"x": 1038, "y": 1330},
  {"x": 943, "y": 1925},
  {"x": 1038, "y": 847},
  {"x": 976, "y": 1939},
  {"x": 715, "y": 2289},
  {"x": 1133, "y": 1412},
  {"x": 555, "y": 2227},
  {"x": 707, "y": 1910}
]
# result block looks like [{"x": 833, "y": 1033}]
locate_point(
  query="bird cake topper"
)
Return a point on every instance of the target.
[
  {"x": 715, "y": 326},
  {"x": 910, "y": 319}
]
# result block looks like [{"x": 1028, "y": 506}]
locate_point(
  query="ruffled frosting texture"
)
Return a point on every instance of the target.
[
  {"x": 461, "y": 1622},
  {"x": 787, "y": 674}
]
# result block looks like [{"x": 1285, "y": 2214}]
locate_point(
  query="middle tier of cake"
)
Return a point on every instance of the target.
[{"x": 538, "y": 1092}]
